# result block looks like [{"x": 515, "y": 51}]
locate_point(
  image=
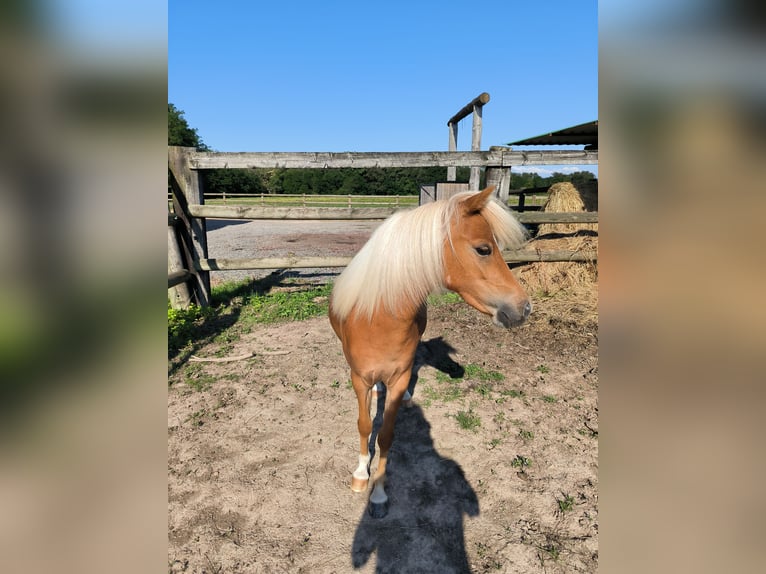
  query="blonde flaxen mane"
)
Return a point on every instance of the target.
[{"x": 403, "y": 260}]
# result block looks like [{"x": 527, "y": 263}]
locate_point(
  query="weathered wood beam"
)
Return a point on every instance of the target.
[
  {"x": 496, "y": 157},
  {"x": 452, "y": 146},
  {"x": 368, "y": 213},
  {"x": 295, "y": 262},
  {"x": 325, "y": 160},
  {"x": 176, "y": 278},
  {"x": 221, "y": 264},
  {"x": 178, "y": 291},
  {"x": 479, "y": 100},
  {"x": 512, "y": 157}
]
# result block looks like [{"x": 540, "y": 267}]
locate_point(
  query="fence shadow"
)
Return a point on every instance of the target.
[
  {"x": 213, "y": 323},
  {"x": 428, "y": 498}
]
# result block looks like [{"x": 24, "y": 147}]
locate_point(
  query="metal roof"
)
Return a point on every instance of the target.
[{"x": 583, "y": 134}]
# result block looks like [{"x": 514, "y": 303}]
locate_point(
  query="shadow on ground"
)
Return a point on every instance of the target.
[
  {"x": 213, "y": 323},
  {"x": 428, "y": 498},
  {"x": 428, "y": 493}
]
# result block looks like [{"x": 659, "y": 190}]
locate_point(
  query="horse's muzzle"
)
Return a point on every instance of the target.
[{"x": 506, "y": 316}]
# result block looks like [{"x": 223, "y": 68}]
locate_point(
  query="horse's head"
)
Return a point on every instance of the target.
[{"x": 474, "y": 265}]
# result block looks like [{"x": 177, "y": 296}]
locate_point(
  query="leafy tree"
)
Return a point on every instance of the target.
[{"x": 179, "y": 131}]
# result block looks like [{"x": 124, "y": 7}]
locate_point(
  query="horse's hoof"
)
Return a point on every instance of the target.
[
  {"x": 407, "y": 403},
  {"x": 359, "y": 484},
  {"x": 378, "y": 510}
]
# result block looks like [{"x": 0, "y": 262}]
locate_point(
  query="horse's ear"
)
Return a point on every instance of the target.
[{"x": 477, "y": 201}]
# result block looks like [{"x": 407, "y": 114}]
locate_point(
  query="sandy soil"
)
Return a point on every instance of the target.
[{"x": 260, "y": 460}]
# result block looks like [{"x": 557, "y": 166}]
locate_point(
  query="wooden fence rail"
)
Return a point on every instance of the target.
[
  {"x": 294, "y": 262},
  {"x": 189, "y": 270},
  {"x": 495, "y": 157},
  {"x": 366, "y": 213}
]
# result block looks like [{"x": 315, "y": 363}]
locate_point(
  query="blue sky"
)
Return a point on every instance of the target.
[{"x": 379, "y": 76}]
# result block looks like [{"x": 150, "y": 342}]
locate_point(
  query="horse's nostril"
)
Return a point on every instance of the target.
[{"x": 527, "y": 309}]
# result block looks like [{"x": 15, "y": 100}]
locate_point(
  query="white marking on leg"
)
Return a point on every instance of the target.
[{"x": 363, "y": 470}]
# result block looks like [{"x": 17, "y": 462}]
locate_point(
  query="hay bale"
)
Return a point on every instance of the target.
[
  {"x": 548, "y": 278},
  {"x": 565, "y": 197}
]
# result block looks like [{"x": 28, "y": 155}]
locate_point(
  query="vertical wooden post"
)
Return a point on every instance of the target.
[
  {"x": 452, "y": 170},
  {"x": 179, "y": 296},
  {"x": 500, "y": 177},
  {"x": 475, "y": 144},
  {"x": 187, "y": 190},
  {"x": 473, "y": 107}
]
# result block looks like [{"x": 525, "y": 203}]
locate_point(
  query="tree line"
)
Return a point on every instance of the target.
[{"x": 341, "y": 181}]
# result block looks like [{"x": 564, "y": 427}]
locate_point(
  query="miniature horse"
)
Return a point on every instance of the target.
[{"x": 378, "y": 304}]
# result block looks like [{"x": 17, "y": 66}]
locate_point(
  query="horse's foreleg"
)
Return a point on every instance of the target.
[
  {"x": 395, "y": 394},
  {"x": 361, "y": 476}
]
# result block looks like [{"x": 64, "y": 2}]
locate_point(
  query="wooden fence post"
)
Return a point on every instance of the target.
[
  {"x": 179, "y": 295},
  {"x": 476, "y": 144},
  {"x": 187, "y": 189},
  {"x": 499, "y": 177},
  {"x": 473, "y": 107},
  {"x": 452, "y": 170}
]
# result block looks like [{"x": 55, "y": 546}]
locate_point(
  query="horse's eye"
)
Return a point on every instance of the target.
[{"x": 483, "y": 250}]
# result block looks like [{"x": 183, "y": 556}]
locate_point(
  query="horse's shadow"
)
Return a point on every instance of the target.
[
  {"x": 428, "y": 495},
  {"x": 435, "y": 353}
]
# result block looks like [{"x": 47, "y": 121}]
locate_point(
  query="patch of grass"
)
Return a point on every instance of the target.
[
  {"x": 543, "y": 369},
  {"x": 447, "y": 298},
  {"x": 201, "y": 382},
  {"x": 335, "y": 384},
  {"x": 473, "y": 371},
  {"x": 565, "y": 504},
  {"x": 196, "y": 378},
  {"x": 495, "y": 442},
  {"x": 446, "y": 394},
  {"x": 236, "y": 306},
  {"x": 282, "y": 306},
  {"x": 223, "y": 351},
  {"x": 484, "y": 390},
  {"x": 452, "y": 394},
  {"x": 549, "y": 399},
  {"x": 513, "y": 393},
  {"x": 551, "y": 550},
  {"x": 521, "y": 462},
  {"x": 196, "y": 417},
  {"x": 468, "y": 420},
  {"x": 526, "y": 434},
  {"x": 182, "y": 325}
]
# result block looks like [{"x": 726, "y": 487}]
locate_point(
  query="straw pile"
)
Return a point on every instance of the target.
[{"x": 548, "y": 278}]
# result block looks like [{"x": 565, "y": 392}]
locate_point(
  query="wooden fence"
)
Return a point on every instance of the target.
[{"x": 189, "y": 265}]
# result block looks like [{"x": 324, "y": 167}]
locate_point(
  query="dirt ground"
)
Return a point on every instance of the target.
[{"x": 260, "y": 459}]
